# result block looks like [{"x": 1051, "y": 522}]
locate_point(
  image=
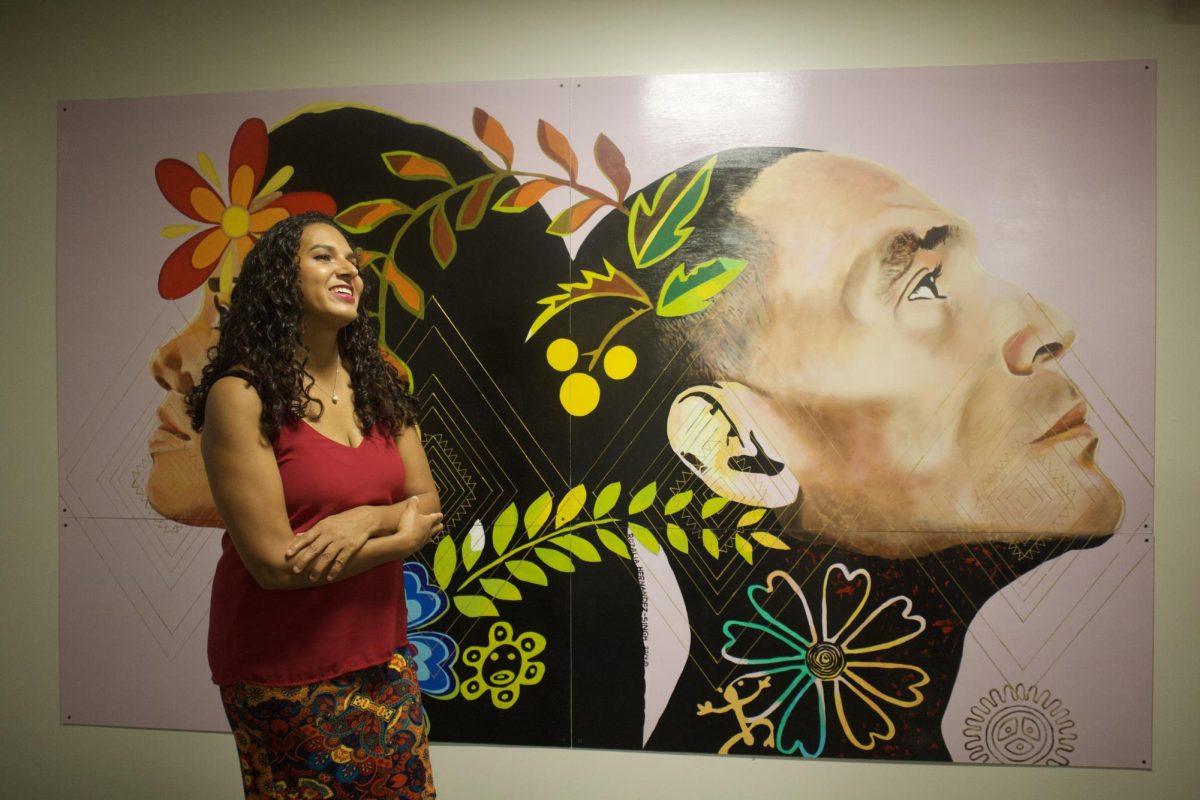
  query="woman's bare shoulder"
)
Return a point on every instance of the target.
[{"x": 232, "y": 397}]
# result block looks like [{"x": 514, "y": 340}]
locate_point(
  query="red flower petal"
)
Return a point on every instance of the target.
[
  {"x": 178, "y": 276},
  {"x": 249, "y": 149},
  {"x": 299, "y": 202},
  {"x": 176, "y": 180}
]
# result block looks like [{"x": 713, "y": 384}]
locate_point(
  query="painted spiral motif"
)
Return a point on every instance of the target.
[{"x": 826, "y": 661}]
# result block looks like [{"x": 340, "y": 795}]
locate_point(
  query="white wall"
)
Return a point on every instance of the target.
[{"x": 111, "y": 48}]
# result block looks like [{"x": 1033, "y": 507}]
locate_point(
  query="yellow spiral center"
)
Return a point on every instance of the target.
[{"x": 826, "y": 661}]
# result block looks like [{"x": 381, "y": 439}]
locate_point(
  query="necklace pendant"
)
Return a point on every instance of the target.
[{"x": 333, "y": 397}]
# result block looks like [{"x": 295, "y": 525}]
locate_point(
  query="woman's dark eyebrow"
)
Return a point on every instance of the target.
[{"x": 352, "y": 256}]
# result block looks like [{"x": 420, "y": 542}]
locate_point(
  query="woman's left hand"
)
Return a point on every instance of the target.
[{"x": 325, "y": 548}]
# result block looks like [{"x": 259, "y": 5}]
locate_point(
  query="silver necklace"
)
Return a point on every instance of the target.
[{"x": 336, "y": 371}]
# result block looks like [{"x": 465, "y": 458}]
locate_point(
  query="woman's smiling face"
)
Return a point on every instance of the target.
[{"x": 330, "y": 284}]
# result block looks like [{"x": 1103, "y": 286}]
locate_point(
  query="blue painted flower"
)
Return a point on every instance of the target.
[
  {"x": 827, "y": 660},
  {"x": 435, "y": 653}
]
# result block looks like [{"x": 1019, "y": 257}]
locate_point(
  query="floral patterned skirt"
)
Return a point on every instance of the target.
[{"x": 358, "y": 735}]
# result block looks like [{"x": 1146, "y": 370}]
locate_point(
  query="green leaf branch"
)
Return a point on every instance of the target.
[{"x": 555, "y": 538}]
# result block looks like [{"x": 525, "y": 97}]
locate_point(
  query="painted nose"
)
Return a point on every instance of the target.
[
  {"x": 166, "y": 366},
  {"x": 1045, "y": 334}
]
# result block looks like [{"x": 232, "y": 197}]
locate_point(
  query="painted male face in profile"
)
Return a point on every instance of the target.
[{"x": 891, "y": 393}]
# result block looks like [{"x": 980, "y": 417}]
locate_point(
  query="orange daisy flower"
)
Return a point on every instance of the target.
[{"x": 233, "y": 226}]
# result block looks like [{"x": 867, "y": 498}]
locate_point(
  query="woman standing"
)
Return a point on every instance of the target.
[{"x": 316, "y": 465}]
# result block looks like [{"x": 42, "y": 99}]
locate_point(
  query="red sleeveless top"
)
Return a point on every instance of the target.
[{"x": 294, "y": 636}]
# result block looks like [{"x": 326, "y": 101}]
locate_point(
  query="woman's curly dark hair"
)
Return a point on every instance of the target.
[{"x": 261, "y": 333}]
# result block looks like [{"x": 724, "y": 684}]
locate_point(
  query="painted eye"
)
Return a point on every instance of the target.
[{"x": 927, "y": 288}]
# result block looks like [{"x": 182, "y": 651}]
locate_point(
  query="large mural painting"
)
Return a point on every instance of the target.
[{"x": 799, "y": 415}]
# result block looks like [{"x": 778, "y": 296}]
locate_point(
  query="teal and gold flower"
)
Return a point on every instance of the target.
[
  {"x": 504, "y": 665},
  {"x": 830, "y": 660}
]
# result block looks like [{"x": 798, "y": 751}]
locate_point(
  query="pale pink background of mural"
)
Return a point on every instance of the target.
[{"x": 1053, "y": 164}]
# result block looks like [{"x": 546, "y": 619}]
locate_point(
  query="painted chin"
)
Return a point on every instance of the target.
[
  {"x": 177, "y": 487},
  {"x": 163, "y": 441}
]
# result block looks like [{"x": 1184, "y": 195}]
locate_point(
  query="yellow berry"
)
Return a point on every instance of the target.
[
  {"x": 562, "y": 354},
  {"x": 620, "y": 362},
  {"x": 580, "y": 394}
]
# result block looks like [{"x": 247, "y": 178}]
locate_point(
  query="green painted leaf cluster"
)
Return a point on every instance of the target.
[
  {"x": 666, "y": 218},
  {"x": 559, "y": 547},
  {"x": 687, "y": 291}
]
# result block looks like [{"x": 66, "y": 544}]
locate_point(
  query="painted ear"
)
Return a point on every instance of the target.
[{"x": 721, "y": 432}]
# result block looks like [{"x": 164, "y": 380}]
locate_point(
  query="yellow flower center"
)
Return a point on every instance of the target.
[
  {"x": 826, "y": 661},
  {"x": 235, "y": 222}
]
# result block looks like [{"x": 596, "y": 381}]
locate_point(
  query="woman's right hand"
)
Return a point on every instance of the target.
[
  {"x": 415, "y": 528},
  {"x": 324, "y": 549}
]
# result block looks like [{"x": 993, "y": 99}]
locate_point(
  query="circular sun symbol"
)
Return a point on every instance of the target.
[{"x": 1019, "y": 725}]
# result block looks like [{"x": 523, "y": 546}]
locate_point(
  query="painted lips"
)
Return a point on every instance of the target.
[
  {"x": 1071, "y": 425},
  {"x": 170, "y": 434}
]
